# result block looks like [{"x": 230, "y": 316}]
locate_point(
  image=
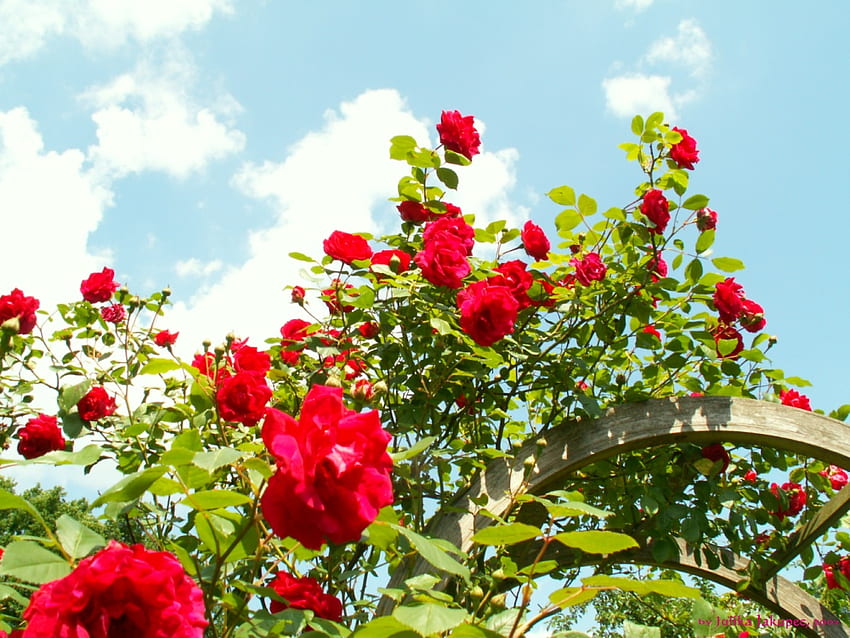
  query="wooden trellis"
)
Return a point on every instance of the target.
[{"x": 537, "y": 469}]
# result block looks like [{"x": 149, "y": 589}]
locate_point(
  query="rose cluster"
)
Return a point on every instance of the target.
[
  {"x": 733, "y": 306},
  {"x": 792, "y": 498},
  {"x": 333, "y": 470},
  {"x": 447, "y": 244}
]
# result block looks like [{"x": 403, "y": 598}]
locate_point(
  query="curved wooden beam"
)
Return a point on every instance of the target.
[{"x": 537, "y": 469}]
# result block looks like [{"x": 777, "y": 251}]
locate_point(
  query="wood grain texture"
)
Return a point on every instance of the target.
[{"x": 538, "y": 469}]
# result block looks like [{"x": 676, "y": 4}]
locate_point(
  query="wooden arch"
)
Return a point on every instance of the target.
[{"x": 537, "y": 469}]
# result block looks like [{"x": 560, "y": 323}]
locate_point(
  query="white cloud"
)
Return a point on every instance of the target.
[
  {"x": 196, "y": 268},
  {"x": 50, "y": 204},
  {"x": 637, "y": 5},
  {"x": 146, "y": 120},
  {"x": 641, "y": 92},
  {"x": 336, "y": 178},
  {"x": 626, "y": 95},
  {"x": 690, "y": 47},
  {"x": 27, "y": 25}
]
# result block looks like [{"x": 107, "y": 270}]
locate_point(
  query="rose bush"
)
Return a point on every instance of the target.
[{"x": 280, "y": 484}]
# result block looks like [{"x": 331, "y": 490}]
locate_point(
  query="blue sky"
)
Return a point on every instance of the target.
[{"x": 195, "y": 143}]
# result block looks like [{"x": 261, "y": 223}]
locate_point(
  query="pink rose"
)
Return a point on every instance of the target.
[
  {"x": 458, "y": 134},
  {"x": 165, "y": 338},
  {"x": 114, "y": 313},
  {"x": 729, "y": 299},
  {"x": 16, "y": 304},
  {"x": 444, "y": 263},
  {"x": 534, "y": 241},
  {"x": 333, "y": 470},
  {"x": 685, "y": 152},
  {"x": 795, "y": 495},
  {"x": 304, "y": 593},
  {"x": 656, "y": 209},
  {"x": 346, "y": 247},
  {"x": 242, "y": 398},
  {"x": 589, "y": 268},
  {"x": 716, "y": 452},
  {"x": 96, "y": 404},
  {"x": 794, "y": 399},
  {"x": 488, "y": 310},
  {"x": 706, "y": 219},
  {"x": 39, "y": 436},
  {"x": 99, "y": 286},
  {"x": 119, "y": 591}
]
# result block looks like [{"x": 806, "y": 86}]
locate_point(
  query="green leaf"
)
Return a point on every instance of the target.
[
  {"x": 695, "y": 202},
  {"x": 88, "y": 455},
  {"x": 575, "y": 508},
  {"x": 653, "y": 121},
  {"x": 69, "y": 396},
  {"x": 563, "y": 195},
  {"x": 8, "y": 593},
  {"x": 217, "y": 458},
  {"x": 616, "y": 214},
  {"x": 420, "y": 446},
  {"x": 432, "y": 553},
  {"x": 596, "y": 541},
  {"x": 693, "y": 271},
  {"x": 130, "y": 487},
  {"x": 571, "y": 596},
  {"x": 429, "y": 618},
  {"x": 727, "y": 264},
  {"x": 637, "y": 125},
  {"x": 10, "y": 501},
  {"x": 77, "y": 539},
  {"x": 663, "y": 587},
  {"x": 632, "y": 630},
  {"x": 215, "y": 499},
  {"x": 506, "y": 534},
  {"x": 384, "y": 627},
  {"x": 400, "y": 146},
  {"x": 72, "y": 424},
  {"x": 567, "y": 220},
  {"x": 159, "y": 366},
  {"x": 586, "y": 205},
  {"x": 705, "y": 240},
  {"x": 448, "y": 177},
  {"x": 31, "y": 563},
  {"x": 473, "y": 631}
]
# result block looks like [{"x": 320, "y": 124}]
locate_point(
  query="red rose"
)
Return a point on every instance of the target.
[
  {"x": 164, "y": 338},
  {"x": 450, "y": 229},
  {"x": 842, "y": 566},
  {"x": 333, "y": 470},
  {"x": 517, "y": 279},
  {"x": 120, "y": 591},
  {"x": 347, "y": 247},
  {"x": 415, "y": 212},
  {"x": 706, "y": 219},
  {"x": 39, "y": 436},
  {"x": 369, "y": 329},
  {"x": 534, "y": 241},
  {"x": 684, "y": 153},
  {"x": 651, "y": 330},
  {"x": 656, "y": 208},
  {"x": 114, "y": 313},
  {"x": 452, "y": 210},
  {"x": 657, "y": 267},
  {"x": 443, "y": 263},
  {"x": 293, "y": 331},
  {"x": 751, "y": 476},
  {"x": 96, "y": 404},
  {"x": 794, "y": 399},
  {"x": 837, "y": 477},
  {"x": 363, "y": 390},
  {"x": 488, "y": 310},
  {"x": 458, "y": 134},
  {"x": 206, "y": 364},
  {"x": 249, "y": 359},
  {"x": 242, "y": 398},
  {"x": 304, "y": 593},
  {"x": 589, "y": 268},
  {"x": 99, "y": 286},
  {"x": 795, "y": 495},
  {"x": 725, "y": 332},
  {"x": 752, "y": 316},
  {"x": 333, "y": 297},
  {"x": 716, "y": 452},
  {"x": 729, "y": 299},
  {"x": 16, "y": 304},
  {"x": 297, "y": 295},
  {"x": 397, "y": 261}
]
